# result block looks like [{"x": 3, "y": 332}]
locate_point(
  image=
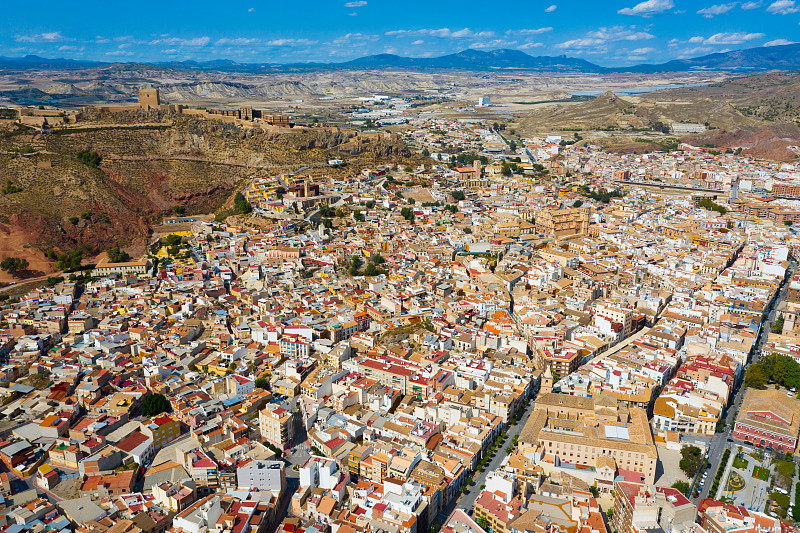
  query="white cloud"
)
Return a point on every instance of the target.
[
  {"x": 290, "y": 42},
  {"x": 353, "y": 14},
  {"x": 353, "y": 37},
  {"x": 779, "y": 42},
  {"x": 783, "y": 7},
  {"x": 643, "y": 51},
  {"x": 493, "y": 44},
  {"x": 251, "y": 10},
  {"x": 551, "y": 8},
  {"x": 726, "y": 38},
  {"x": 648, "y": 8},
  {"x": 579, "y": 43},
  {"x": 178, "y": 41},
  {"x": 693, "y": 52},
  {"x": 535, "y": 31},
  {"x": 751, "y": 5},
  {"x": 418, "y": 42},
  {"x": 718, "y": 9},
  {"x": 600, "y": 37},
  {"x": 47, "y": 37},
  {"x": 239, "y": 41},
  {"x": 528, "y": 46},
  {"x": 358, "y": 3},
  {"x": 443, "y": 33},
  {"x": 124, "y": 53}
]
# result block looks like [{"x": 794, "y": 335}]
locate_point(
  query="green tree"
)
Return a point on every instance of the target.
[
  {"x": 682, "y": 486},
  {"x": 73, "y": 220},
  {"x": 69, "y": 262},
  {"x": 691, "y": 460},
  {"x": 777, "y": 325},
  {"x": 779, "y": 369},
  {"x": 755, "y": 378},
  {"x": 355, "y": 265},
  {"x": 458, "y": 195},
  {"x": 483, "y": 522},
  {"x": 411, "y": 201},
  {"x": 173, "y": 239},
  {"x": 10, "y": 188},
  {"x": 241, "y": 204},
  {"x": 14, "y": 265},
  {"x": 577, "y": 203},
  {"x": 155, "y": 404},
  {"x": 262, "y": 383},
  {"x": 371, "y": 270},
  {"x": 91, "y": 159},
  {"x": 116, "y": 255}
]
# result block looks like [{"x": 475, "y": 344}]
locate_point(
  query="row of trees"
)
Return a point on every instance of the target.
[
  {"x": 14, "y": 265},
  {"x": 709, "y": 205},
  {"x": 773, "y": 368},
  {"x": 603, "y": 196}
]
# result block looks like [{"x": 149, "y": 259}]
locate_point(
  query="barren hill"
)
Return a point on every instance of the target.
[
  {"x": 600, "y": 112},
  {"x": 148, "y": 169}
]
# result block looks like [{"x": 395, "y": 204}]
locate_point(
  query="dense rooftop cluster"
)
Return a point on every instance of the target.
[{"x": 387, "y": 351}]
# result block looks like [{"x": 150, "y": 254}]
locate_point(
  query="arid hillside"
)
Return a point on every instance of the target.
[
  {"x": 147, "y": 170},
  {"x": 757, "y": 113}
]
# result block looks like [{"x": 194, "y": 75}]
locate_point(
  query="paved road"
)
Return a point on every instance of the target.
[
  {"x": 720, "y": 440},
  {"x": 466, "y": 501}
]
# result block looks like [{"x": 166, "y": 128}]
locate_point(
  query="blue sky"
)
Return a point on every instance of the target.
[{"x": 606, "y": 32}]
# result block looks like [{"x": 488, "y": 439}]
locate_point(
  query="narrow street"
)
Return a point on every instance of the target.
[
  {"x": 467, "y": 500},
  {"x": 720, "y": 440}
]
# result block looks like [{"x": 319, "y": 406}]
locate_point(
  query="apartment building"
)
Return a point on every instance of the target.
[
  {"x": 639, "y": 508},
  {"x": 276, "y": 424},
  {"x": 161, "y": 429}
]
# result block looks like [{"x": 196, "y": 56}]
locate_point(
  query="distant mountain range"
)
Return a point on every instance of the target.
[{"x": 786, "y": 57}]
